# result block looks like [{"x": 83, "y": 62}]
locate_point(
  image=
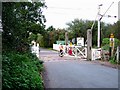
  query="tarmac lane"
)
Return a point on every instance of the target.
[{"x": 69, "y": 72}]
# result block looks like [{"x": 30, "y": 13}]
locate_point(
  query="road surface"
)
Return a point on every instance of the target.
[{"x": 69, "y": 72}]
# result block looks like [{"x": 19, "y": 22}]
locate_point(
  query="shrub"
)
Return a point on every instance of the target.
[
  {"x": 21, "y": 71},
  {"x": 112, "y": 60},
  {"x": 106, "y": 43}
]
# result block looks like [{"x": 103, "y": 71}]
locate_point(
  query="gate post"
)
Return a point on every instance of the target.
[
  {"x": 89, "y": 44},
  {"x": 66, "y": 38},
  {"x": 118, "y": 54}
]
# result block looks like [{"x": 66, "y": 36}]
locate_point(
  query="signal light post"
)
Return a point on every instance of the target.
[{"x": 99, "y": 19}]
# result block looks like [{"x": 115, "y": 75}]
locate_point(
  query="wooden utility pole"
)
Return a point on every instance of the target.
[{"x": 66, "y": 38}]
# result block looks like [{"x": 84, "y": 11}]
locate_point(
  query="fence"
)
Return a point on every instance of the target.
[{"x": 96, "y": 53}]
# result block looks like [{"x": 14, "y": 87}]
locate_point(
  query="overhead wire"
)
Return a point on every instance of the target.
[
  {"x": 65, "y": 8},
  {"x": 106, "y": 10},
  {"x": 63, "y": 13}
]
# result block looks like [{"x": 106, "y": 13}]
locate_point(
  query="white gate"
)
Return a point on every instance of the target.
[{"x": 79, "y": 53}]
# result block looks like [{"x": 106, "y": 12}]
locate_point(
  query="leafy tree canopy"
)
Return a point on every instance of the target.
[{"x": 19, "y": 19}]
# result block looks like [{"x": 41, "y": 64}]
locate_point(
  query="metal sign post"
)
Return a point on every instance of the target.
[{"x": 111, "y": 50}]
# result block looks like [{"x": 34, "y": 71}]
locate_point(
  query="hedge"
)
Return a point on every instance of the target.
[{"x": 21, "y": 71}]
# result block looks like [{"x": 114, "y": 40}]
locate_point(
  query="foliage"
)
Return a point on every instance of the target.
[
  {"x": 61, "y": 33},
  {"x": 106, "y": 43},
  {"x": 19, "y": 19},
  {"x": 32, "y": 37},
  {"x": 112, "y": 60},
  {"x": 117, "y": 42},
  {"x": 40, "y": 39},
  {"x": 114, "y": 29},
  {"x": 36, "y": 37},
  {"x": 78, "y": 28},
  {"x": 21, "y": 71},
  {"x": 52, "y": 35},
  {"x": 117, "y": 30},
  {"x": 106, "y": 47}
]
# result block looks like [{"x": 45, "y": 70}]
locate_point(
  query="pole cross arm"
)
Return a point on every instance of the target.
[{"x": 106, "y": 12}]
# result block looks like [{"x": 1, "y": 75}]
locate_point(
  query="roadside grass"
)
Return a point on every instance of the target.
[
  {"x": 113, "y": 60},
  {"x": 50, "y": 48}
]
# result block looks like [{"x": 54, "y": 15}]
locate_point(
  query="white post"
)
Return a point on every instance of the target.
[
  {"x": 37, "y": 50},
  {"x": 98, "y": 33},
  {"x": 76, "y": 52},
  {"x": 118, "y": 51},
  {"x": 98, "y": 26}
]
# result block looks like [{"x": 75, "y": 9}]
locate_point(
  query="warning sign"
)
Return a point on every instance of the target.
[{"x": 111, "y": 40}]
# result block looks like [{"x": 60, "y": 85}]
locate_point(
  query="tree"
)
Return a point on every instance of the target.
[
  {"x": 49, "y": 36},
  {"x": 61, "y": 34},
  {"x": 40, "y": 39},
  {"x": 32, "y": 37},
  {"x": 19, "y": 19},
  {"x": 75, "y": 27},
  {"x": 116, "y": 29},
  {"x": 106, "y": 43},
  {"x": 78, "y": 28}
]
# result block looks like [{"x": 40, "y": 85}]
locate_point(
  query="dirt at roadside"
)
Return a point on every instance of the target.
[{"x": 106, "y": 63}]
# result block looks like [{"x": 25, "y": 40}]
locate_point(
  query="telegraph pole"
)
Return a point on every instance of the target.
[
  {"x": 66, "y": 38},
  {"x": 99, "y": 19},
  {"x": 99, "y": 25}
]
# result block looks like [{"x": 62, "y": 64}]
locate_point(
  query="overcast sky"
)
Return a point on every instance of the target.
[{"x": 60, "y": 12}]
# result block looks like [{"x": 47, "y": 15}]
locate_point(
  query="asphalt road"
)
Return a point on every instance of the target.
[{"x": 69, "y": 72}]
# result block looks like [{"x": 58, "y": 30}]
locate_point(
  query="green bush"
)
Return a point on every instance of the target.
[
  {"x": 112, "y": 60},
  {"x": 106, "y": 43},
  {"x": 106, "y": 47},
  {"x": 21, "y": 71}
]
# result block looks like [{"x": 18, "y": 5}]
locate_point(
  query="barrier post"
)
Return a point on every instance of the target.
[{"x": 89, "y": 44}]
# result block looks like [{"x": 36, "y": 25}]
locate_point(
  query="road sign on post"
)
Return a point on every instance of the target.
[
  {"x": 80, "y": 41},
  {"x": 89, "y": 44},
  {"x": 111, "y": 44}
]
